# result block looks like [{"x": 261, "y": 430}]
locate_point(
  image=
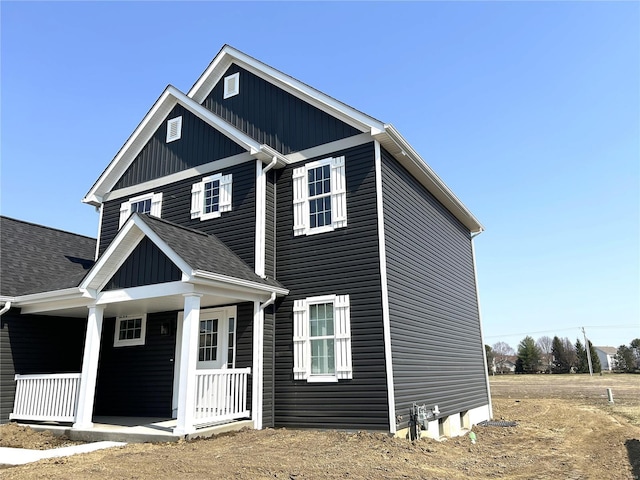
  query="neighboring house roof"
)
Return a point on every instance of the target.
[
  {"x": 386, "y": 134},
  {"x": 35, "y": 258},
  {"x": 608, "y": 350},
  {"x": 184, "y": 247}
]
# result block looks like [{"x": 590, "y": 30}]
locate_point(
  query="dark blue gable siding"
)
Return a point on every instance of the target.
[
  {"x": 345, "y": 261},
  {"x": 199, "y": 144},
  {"x": 236, "y": 228},
  {"x": 435, "y": 327},
  {"x": 270, "y": 115},
  {"x": 145, "y": 266}
]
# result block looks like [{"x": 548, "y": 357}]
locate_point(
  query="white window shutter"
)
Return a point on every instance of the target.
[
  {"x": 156, "y": 205},
  {"x": 301, "y": 360},
  {"x": 125, "y": 210},
  {"x": 344, "y": 370},
  {"x": 196, "y": 199},
  {"x": 338, "y": 193},
  {"x": 299, "y": 201},
  {"x": 225, "y": 193}
]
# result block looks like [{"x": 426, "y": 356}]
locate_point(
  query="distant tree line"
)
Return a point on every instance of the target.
[{"x": 557, "y": 355}]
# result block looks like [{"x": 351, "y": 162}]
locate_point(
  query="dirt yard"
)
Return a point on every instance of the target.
[{"x": 566, "y": 429}]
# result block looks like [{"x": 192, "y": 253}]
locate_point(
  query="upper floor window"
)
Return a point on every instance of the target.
[
  {"x": 322, "y": 339},
  {"x": 174, "y": 129},
  {"x": 319, "y": 197},
  {"x": 130, "y": 331},
  {"x": 150, "y": 203},
  {"x": 211, "y": 196}
]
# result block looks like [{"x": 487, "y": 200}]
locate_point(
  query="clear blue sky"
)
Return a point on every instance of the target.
[{"x": 530, "y": 112}]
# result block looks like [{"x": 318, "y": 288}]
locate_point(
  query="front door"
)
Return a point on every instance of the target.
[{"x": 216, "y": 344}]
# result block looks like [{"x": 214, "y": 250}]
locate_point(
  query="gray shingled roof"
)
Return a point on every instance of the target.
[
  {"x": 204, "y": 252},
  {"x": 35, "y": 258}
]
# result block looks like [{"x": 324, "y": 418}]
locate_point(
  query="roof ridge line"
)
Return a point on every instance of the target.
[{"x": 47, "y": 227}]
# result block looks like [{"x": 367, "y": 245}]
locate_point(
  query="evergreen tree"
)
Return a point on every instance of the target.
[
  {"x": 488, "y": 352},
  {"x": 595, "y": 359},
  {"x": 561, "y": 363},
  {"x": 528, "y": 356},
  {"x": 625, "y": 359},
  {"x": 583, "y": 365},
  {"x": 570, "y": 352}
]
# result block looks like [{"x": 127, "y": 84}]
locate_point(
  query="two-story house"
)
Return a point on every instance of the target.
[{"x": 265, "y": 251}]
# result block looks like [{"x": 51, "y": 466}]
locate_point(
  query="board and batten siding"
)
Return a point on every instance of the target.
[
  {"x": 437, "y": 351},
  {"x": 137, "y": 380},
  {"x": 270, "y": 115},
  {"x": 32, "y": 344},
  {"x": 199, "y": 144},
  {"x": 235, "y": 228},
  {"x": 342, "y": 262}
]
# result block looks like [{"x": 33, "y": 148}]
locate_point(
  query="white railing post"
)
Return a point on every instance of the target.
[
  {"x": 189, "y": 355},
  {"x": 89, "y": 367}
]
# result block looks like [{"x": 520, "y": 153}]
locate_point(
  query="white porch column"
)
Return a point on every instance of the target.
[
  {"x": 188, "y": 363},
  {"x": 89, "y": 367},
  {"x": 258, "y": 364}
]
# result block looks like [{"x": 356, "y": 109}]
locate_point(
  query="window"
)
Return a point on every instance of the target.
[
  {"x": 322, "y": 339},
  {"x": 174, "y": 129},
  {"x": 319, "y": 197},
  {"x": 232, "y": 85},
  {"x": 130, "y": 331},
  {"x": 211, "y": 196},
  {"x": 150, "y": 203},
  {"x": 216, "y": 338}
]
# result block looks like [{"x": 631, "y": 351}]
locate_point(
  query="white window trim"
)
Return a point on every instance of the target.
[
  {"x": 132, "y": 341},
  {"x": 156, "y": 206},
  {"x": 231, "y": 80},
  {"x": 301, "y": 197},
  {"x": 225, "y": 201},
  {"x": 302, "y": 339},
  {"x": 178, "y": 123}
]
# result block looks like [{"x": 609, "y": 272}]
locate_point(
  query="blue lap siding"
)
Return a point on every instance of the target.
[
  {"x": 435, "y": 327},
  {"x": 344, "y": 261}
]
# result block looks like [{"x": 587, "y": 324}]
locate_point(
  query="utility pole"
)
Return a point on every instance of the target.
[{"x": 588, "y": 349}]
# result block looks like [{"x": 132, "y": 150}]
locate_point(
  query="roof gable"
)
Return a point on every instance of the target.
[{"x": 35, "y": 258}]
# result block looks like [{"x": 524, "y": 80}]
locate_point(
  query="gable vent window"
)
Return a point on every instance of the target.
[
  {"x": 174, "y": 129},
  {"x": 232, "y": 85},
  {"x": 211, "y": 196},
  {"x": 319, "y": 197},
  {"x": 150, "y": 203}
]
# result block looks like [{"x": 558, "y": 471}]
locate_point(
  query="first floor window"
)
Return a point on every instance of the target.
[
  {"x": 211, "y": 196},
  {"x": 322, "y": 338},
  {"x": 149, "y": 203},
  {"x": 130, "y": 330},
  {"x": 319, "y": 197}
]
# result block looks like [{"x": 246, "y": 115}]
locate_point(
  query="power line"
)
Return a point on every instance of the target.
[{"x": 558, "y": 330}]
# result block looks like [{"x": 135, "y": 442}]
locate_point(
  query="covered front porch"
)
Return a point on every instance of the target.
[{"x": 196, "y": 283}]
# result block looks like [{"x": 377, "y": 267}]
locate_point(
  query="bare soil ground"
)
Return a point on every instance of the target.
[{"x": 566, "y": 429}]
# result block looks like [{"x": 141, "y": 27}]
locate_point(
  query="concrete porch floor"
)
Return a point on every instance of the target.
[{"x": 137, "y": 430}]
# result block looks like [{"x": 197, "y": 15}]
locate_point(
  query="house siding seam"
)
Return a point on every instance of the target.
[
  {"x": 145, "y": 266},
  {"x": 437, "y": 351},
  {"x": 342, "y": 262},
  {"x": 200, "y": 143},
  {"x": 270, "y": 115},
  {"x": 31, "y": 344},
  {"x": 235, "y": 228}
]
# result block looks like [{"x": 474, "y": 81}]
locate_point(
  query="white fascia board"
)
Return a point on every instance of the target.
[
  {"x": 144, "y": 292},
  {"x": 415, "y": 164},
  {"x": 51, "y": 301},
  {"x": 229, "y": 55},
  {"x": 328, "y": 149},
  {"x": 237, "y": 282},
  {"x": 145, "y": 130},
  {"x": 7, "y": 299},
  {"x": 53, "y": 295}
]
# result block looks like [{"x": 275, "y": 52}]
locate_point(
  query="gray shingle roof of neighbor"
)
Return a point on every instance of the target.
[
  {"x": 35, "y": 258},
  {"x": 190, "y": 245},
  {"x": 608, "y": 350}
]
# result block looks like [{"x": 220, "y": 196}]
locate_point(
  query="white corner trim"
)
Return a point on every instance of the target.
[
  {"x": 386, "y": 319},
  {"x": 484, "y": 356}
]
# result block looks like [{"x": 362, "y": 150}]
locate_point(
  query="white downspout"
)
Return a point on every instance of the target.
[
  {"x": 261, "y": 208},
  {"x": 258, "y": 361},
  {"x": 7, "y": 306}
]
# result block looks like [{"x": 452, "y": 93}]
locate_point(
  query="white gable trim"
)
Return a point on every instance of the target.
[
  {"x": 228, "y": 55},
  {"x": 151, "y": 122}
]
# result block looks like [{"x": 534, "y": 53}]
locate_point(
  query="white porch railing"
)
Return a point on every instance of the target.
[
  {"x": 221, "y": 395},
  {"x": 46, "y": 397}
]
